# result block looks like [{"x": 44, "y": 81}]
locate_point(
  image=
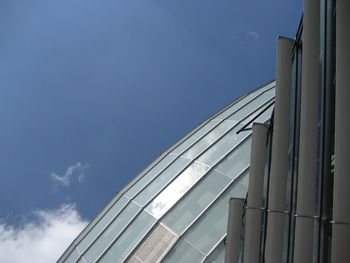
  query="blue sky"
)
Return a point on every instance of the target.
[{"x": 91, "y": 91}]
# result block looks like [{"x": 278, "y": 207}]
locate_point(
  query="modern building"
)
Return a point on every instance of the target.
[{"x": 263, "y": 180}]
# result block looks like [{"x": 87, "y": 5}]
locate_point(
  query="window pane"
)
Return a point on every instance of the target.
[
  {"x": 183, "y": 252},
  {"x": 156, "y": 244},
  {"x": 149, "y": 176},
  {"x": 185, "y": 211},
  {"x": 195, "y": 137},
  {"x": 165, "y": 177},
  {"x": 236, "y": 161},
  {"x": 115, "y": 209},
  {"x": 111, "y": 232},
  {"x": 212, "y": 226},
  {"x": 251, "y": 107},
  {"x": 176, "y": 189},
  {"x": 243, "y": 101},
  {"x": 73, "y": 256},
  {"x": 219, "y": 149},
  {"x": 130, "y": 238},
  {"x": 218, "y": 255},
  {"x": 207, "y": 140}
]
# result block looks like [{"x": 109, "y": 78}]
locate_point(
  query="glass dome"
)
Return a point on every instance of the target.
[{"x": 176, "y": 209}]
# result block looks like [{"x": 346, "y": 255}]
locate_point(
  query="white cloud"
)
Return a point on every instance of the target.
[
  {"x": 253, "y": 34},
  {"x": 77, "y": 170},
  {"x": 43, "y": 240}
]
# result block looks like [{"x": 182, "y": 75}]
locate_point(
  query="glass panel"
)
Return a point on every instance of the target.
[
  {"x": 237, "y": 160},
  {"x": 72, "y": 258},
  {"x": 219, "y": 149},
  {"x": 263, "y": 117},
  {"x": 195, "y": 137},
  {"x": 251, "y": 107},
  {"x": 176, "y": 189},
  {"x": 266, "y": 115},
  {"x": 156, "y": 244},
  {"x": 165, "y": 177},
  {"x": 187, "y": 209},
  {"x": 130, "y": 238},
  {"x": 145, "y": 179},
  {"x": 212, "y": 226},
  {"x": 243, "y": 101},
  {"x": 183, "y": 252},
  {"x": 218, "y": 255},
  {"x": 208, "y": 139},
  {"x": 115, "y": 209},
  {"x": 111, "y": 232}
]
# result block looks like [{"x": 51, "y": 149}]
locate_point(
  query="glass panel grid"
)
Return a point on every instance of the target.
[
  {"x": 161, "y": 181},
  {"x": 121, "y": 247},
  {"x": 245, "y": 100},
  {"x": 173, "y": 192},
  {"x": 156, "y": 244},
  {"x": 212, "y": 225},
  {"x": 114, "y": 229},
  {"x": 183, "y": 252},
  {"x": 151, "y": 174},
  {"x": 100, "y": 226}
]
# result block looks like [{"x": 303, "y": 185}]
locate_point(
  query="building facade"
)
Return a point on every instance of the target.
[
  {"x": 298, "y": 203},
  {"x": 263, "y": 180}
]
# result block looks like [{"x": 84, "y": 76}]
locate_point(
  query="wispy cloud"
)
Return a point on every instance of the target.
[
  {"x": 253, "y": 34},
  {"x": 76, "y": 170},
  {"x": 42, "y": 240}
]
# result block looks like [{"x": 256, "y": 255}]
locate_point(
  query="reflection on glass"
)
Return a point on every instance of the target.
[
  {"x": 207, "y": 140},
  {"x": 243, "y": 101},
  {"x": 218, "y": 255},
  {"x": 112, "y": 231},
  {"x": 156, "y": 244},
  {"x": 130, "y": 238},
  {"x": 100, "y": 225},
  {"x": 251, "y": 107},
  {"x": 219, "y": 149},
  {"x": 183, "y": 252},
  {"x": 195, "y": 137},
  {"x": 73, "y": 256},
  {"x": 212, "y": 225},
  {"x": 146, "y": 178},
  {"x": 164, "y": 178},
  {"x": 176, "y": 189},
  {"x": 188, "y": 208},
  {"x": 237, "y": 160}
]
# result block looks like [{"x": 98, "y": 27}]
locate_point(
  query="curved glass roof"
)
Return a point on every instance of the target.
[{"x": 176, "y": 209}]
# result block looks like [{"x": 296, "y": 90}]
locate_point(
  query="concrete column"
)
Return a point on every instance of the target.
[
  {"x": 254, "y": 210},
  {"x": 279, "y": 155},
  {"x": 234, "y": 230},
  {"x": 341, "y": 203},
  {"x": 307, "y": 192}
]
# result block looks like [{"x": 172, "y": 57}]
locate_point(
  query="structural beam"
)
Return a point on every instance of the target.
[
  {"x": 279, "y": 155},
  {"x": 306, "y": 224},
  {"x": 341, "y": 207},
  {"x": 254, "y": 209},
  {"x": 234, "y": 231}
]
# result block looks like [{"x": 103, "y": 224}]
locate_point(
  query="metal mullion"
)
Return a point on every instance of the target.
[
  {"x": 148, "y": 168},
  {"x": 104, "y": 229},
  {"x": 214, "y": 247},
  {"x": 243, "y": 172},
  {"x": 194, "y": 185}
]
